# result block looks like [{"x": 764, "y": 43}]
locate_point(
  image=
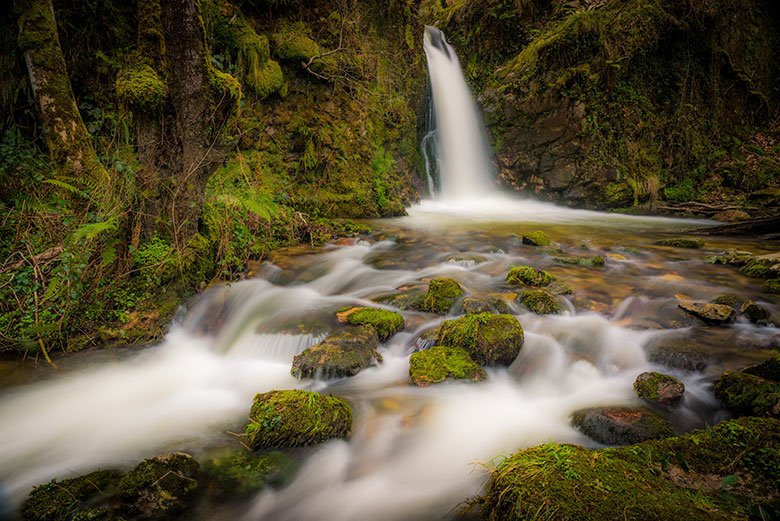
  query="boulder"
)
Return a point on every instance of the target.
[
  {"x": 581, "y": 261},
  {"x": 441, "y": 295},
  {"x": 659, "y": 388},
  {"x": 679, "y": 354},
  {"x": 385, "y": 323},
  {"x": 280, "y": 419},
  {"x": 681, "y": 243},
  {"x": 341, "y": 354},
  {"x": 60, "y": 500},
  {"x": 489, "y": 339},
  {"x": 474, "y": 306},
  {"x": 441, "y": 363},
  {"x": 769, "y": 369},
  {"x": 539, "y": 301},
  {"x": 710, "y": 313},
  {"x": 161, "y": 487},
  {"x": 747, "y": 394},
  {"x": 621, "y": 425},
  {"x": 754, "y": 312},
  {"x": 526, "y": 275},
  {"x": 536, "y": 238},
  {"x": 729, "y": 299}
]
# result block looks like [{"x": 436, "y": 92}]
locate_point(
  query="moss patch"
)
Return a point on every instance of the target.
[
  {"x": 296, "y": 419},
  {"x": 772, "y": 287},
  {"x": 160, "y": 487},
  {"x": 526, "y": 275},
  {"x": 441, "y": 295},
  {"x": 489, "y": 339},
  {"x": 440, "y": 363},
  {"x": 385, "y": 323},
  {"x": 659, "y": 388},
  {"x": 61, "y": 500},
  {"x": 539, "y": 301},
  {"x": 581, "y": 261},
  {"x": 682, "y": 243},
  {"x": 748, "y": 394},
  {"x": 238, "y": 473},
  {"x": 621, "y": 425},
  {"x": 140, "y": 87},
  {"x": 536, "y": 238}
]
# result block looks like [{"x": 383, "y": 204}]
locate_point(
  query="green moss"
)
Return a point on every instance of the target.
[
  {"x": 238, "y": 473},
  {"x": 385, "y": 323},
  {"x": 225, "y": 85},
  {"x": 731, "y": 257},
  {"x": 769, "y": 369},
  {"x": 97, "y": 514},
  {"x": 61, "y": 500},
  {"x": 441, "y": 295},
  {"x": 473, "y": 306},
  {"x": 140, "y": 87},
  {"x": 529, "y": 276},
  {"x": 161, "y": 486},
  {"x": 560, "y": 288},
  {"x": 659, "y": 388},
  {"x": 439, "y": 363},
  {"x": 757, "y": 270},
  {"x": 681, "y": 243},
  {"x": 536, "y": 238},
  {"x": 748, "y": 394},
  {"x": 753, "y": 311},
  {"x": 341, "y": 354},
  {"x": 729, "y": 299},
  {"x": 266, "y": 80},
  {"x": 772, "y": 287},
  {"x": 296, "y": 419},
  {"x": 291, "y": 43},
  {"x": 539, "y": 301},
  {"x": 489, "y": 339},
  {"x": 666, "y": 479},
  {"x": 581, "y": 261}
]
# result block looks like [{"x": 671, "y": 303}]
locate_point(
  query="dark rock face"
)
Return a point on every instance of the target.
[
  {"x": 339, "y": 355},
  {"x": 621, "y": 425}
]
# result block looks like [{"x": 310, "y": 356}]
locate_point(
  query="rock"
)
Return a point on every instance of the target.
[
  {"x": 385, "y": 323},
  {"x": 440, "y": 363},
  {"x": 621, "y": 425},
  {"x": 539, "y": 301},
  {"x": 161, "y": 487},
  {"x": 237, "y": 473},
  {"x": 581, "y": 261},
  {"x": 488, "y": 339},
  {"x": 467, "y": 260},
  {"x": 679, "y": 354},
  {"x": 59, "y": 500},
  {"x": 669, "y": 479},
  {"x": 729, "y": 299},
  {"x": 754, "y": 312},
  {"x": 536, "y": 238},
  {"x": 710, "y": 313},
  {"x": 473, "y": 306},
  {"x": 617, "y": 256},
  {"x": 427, "y": 339},
  {"x": 769, "y": 370},
  {"x": 659, "y": 388},
  {"x": 731, "y": 257},
  {"x": 746, "y": 394},
  {"x": 441, "y": 295},
  {"x": 281, "y": 419},
  {"x": 341, "y": 354},
  {"x": 772, "y": 287},
  {"x": 730, "y": 216},
  {"x": 500, "y": 304},
  {"x": 560, "y": 288},
  {"x": 526, "y": 275},
  {"x": 757, "y": 270},
  {"x": 681, "y": 243}
]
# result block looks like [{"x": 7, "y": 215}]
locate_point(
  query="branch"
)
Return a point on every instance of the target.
[{"x": 48, "y": 255}]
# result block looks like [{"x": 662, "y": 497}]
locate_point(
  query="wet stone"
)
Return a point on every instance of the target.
[
  {"x": 341, "y": 354},
  {"x": 659, "y": 388},
  {"x": 621, "y": 425},
  {"x": 710, "y": 313}
]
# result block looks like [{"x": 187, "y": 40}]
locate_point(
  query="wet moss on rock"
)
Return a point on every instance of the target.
[
  {"x": 526, "y": 275},
  {"x": 681, "y": 243},
  {"x": 680, "y": 354},
  {"x": 341, "y": 354},
  {"x": 238, "y": 473},
  {"x": 440, "y": 297},
  {"x": 659, "y": 388},
  {"x": 296, "y": 419},
  {"x": 769, "y": 369},
  {"x": 772, "y": 287},
  {"x": 160, "y": 487},
  {"x": 754, "y": 312},
  {"x": 474, "y": 306},
  {"x": 489, "y": 339},
  {"x": 440, "y": 363},
  {"x": 596, "y": 261},
  {"x": 757, "y": 270},
  {"x": 536, "y": 238},
  {"x": 747, "y": 394},
  {"x": 729, "y": 299},
  {"x": 62, "y": 500},
  {"x": 539, "y": 301},
  {"x": 385, "y": 323}
]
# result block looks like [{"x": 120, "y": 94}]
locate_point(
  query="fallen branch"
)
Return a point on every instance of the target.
[{"x": 51, "y": 253}]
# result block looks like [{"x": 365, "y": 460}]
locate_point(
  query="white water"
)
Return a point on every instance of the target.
[{"x": 465, "y": 162}]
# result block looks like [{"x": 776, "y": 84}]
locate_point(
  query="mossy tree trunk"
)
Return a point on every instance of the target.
[{"x": 66, "y": 136}]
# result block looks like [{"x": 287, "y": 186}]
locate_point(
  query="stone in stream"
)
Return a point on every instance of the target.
[
  {"x": 754, "y": 312},
  {"x": 385, "y": 323},
  {"x": 560, "y": 288},
  {"x": 772, "y": 287},
  {"x": 236, "y": 473},
  {"x": 340, "y": 354},
  {"x": 441, "y": 295},
  {"x": 753, "y": 391},
  {"x": 536, "y": 238},
  {"x": 621, "y": 425},
  {"x": 731, "y": 257},
  {"x": 539, "y": 301},
  {"x": 441, "y": 363},
  {"x": 61, "y": 500},
  {"x": 489, "y": 339},
  {"x": 595, "y": 261},
  {"x": 467, "y": 260},
  {"x": 526, "y": 275},
  {"x": 659, "y": 388},
  {"x": 681, "y": 243},
  {"x": 295, "y": 418},
  {"x": 729, "y": 299},
  {"x": 679, "y": 354},
  {"x": 710, "y": 313},
  {"x": 474, "y": 306}
]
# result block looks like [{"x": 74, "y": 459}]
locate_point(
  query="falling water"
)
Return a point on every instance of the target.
[{"x": 466, "y": 168}]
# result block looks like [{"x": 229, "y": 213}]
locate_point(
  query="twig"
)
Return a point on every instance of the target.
[{"x": 48, "y": 255}]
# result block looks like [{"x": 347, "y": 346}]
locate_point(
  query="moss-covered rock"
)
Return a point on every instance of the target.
[
  {"x": 97, "y": 514},
  {"x": 340, "y": 354},
  {"x": 441, "y": 295},
  {"x": 526, "y": 275},
  {"x": 731, "y": 257},
  {"x": 474, "y": 306},
  {"x": 440, "y": 363},
  {"x": 769, "y": 369},
  {"x": 291, "y": 43},
  {"x": 581, "y": 261},
  {"x": 683, "y": 477},
  {"x": 385, "y": 323},
  {"x": 62, "y": 500},
  {"x": 709, "y": 313},
  {"x": 753, "y": 311},
  {"x": 489, "y": 339},
  {"x": 536, "y": 238},
  {"x": 772, "y": 287},
  {"x": 757, "y": 270},
  {"x": 621, "y": 425},
  {"x": 161, "y": 487},
  {"x": 539, "y": 301},
  {"x": 560, "y": 288},
  {"x": 729, "y": 299},
  {"x": 296, "y": 419},
  {"x": 679, "y": 354},
  {"x": 748, "y": 394},
  {"x": 238, "y": 473},
  {"x": 659, "y": 388},
  {"x": 681, "y": 243},
  {"x": 139, "y": 86}
]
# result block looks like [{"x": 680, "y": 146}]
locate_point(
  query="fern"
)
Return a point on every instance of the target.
[{"x": 89, "y": 231}]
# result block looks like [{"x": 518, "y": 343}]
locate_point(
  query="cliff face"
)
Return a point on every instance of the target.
[{"x": 609, "y": 104}]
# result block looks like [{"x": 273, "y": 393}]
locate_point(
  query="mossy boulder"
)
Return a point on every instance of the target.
[
  {"x": 596, "y": 261},
  {"x": 731, "y": 257},
  {"x": 61, "y": 500},
  {"x": 772, "y": 287},
  {"x": 161, "y": 487},
  {"x": 720, "y": 473},
  {"x": 679, "y": 354},
  {"x": 239, "y": 473},
  {"x": 747, "y": 394},
  {"x": 440, "y": 363},
  {"x": 560, "y": 288},
  {"x": 621, "y": 425},
  {"x": 295, "y": 418},
  {"x": 441, "y": 295},
  {"x": 528, "y": 276},
  {"x": 536, "y": 238},
  {"x": 489, "y": 339},
  {"x": 539, "y": 301},
  {"x": 754, "y": 312},
  {"x": 682, "y": 243},
  {"x": 385, "y": 323},
  {"x": 474, "y": 306},
  {"x": 339, "y": 355},
  {"x": 659, "y": 388},
  {"x": 729, "y": 299},
  {"x": 709, "y": 313}
]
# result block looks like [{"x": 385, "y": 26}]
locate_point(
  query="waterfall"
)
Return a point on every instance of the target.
[{"x": 463, "y": 154}]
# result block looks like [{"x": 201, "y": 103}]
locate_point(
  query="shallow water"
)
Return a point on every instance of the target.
[{"x": 415, "y": 453}]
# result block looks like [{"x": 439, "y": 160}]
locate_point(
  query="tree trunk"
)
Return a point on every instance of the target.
[{"x": 66, "y": 136}]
